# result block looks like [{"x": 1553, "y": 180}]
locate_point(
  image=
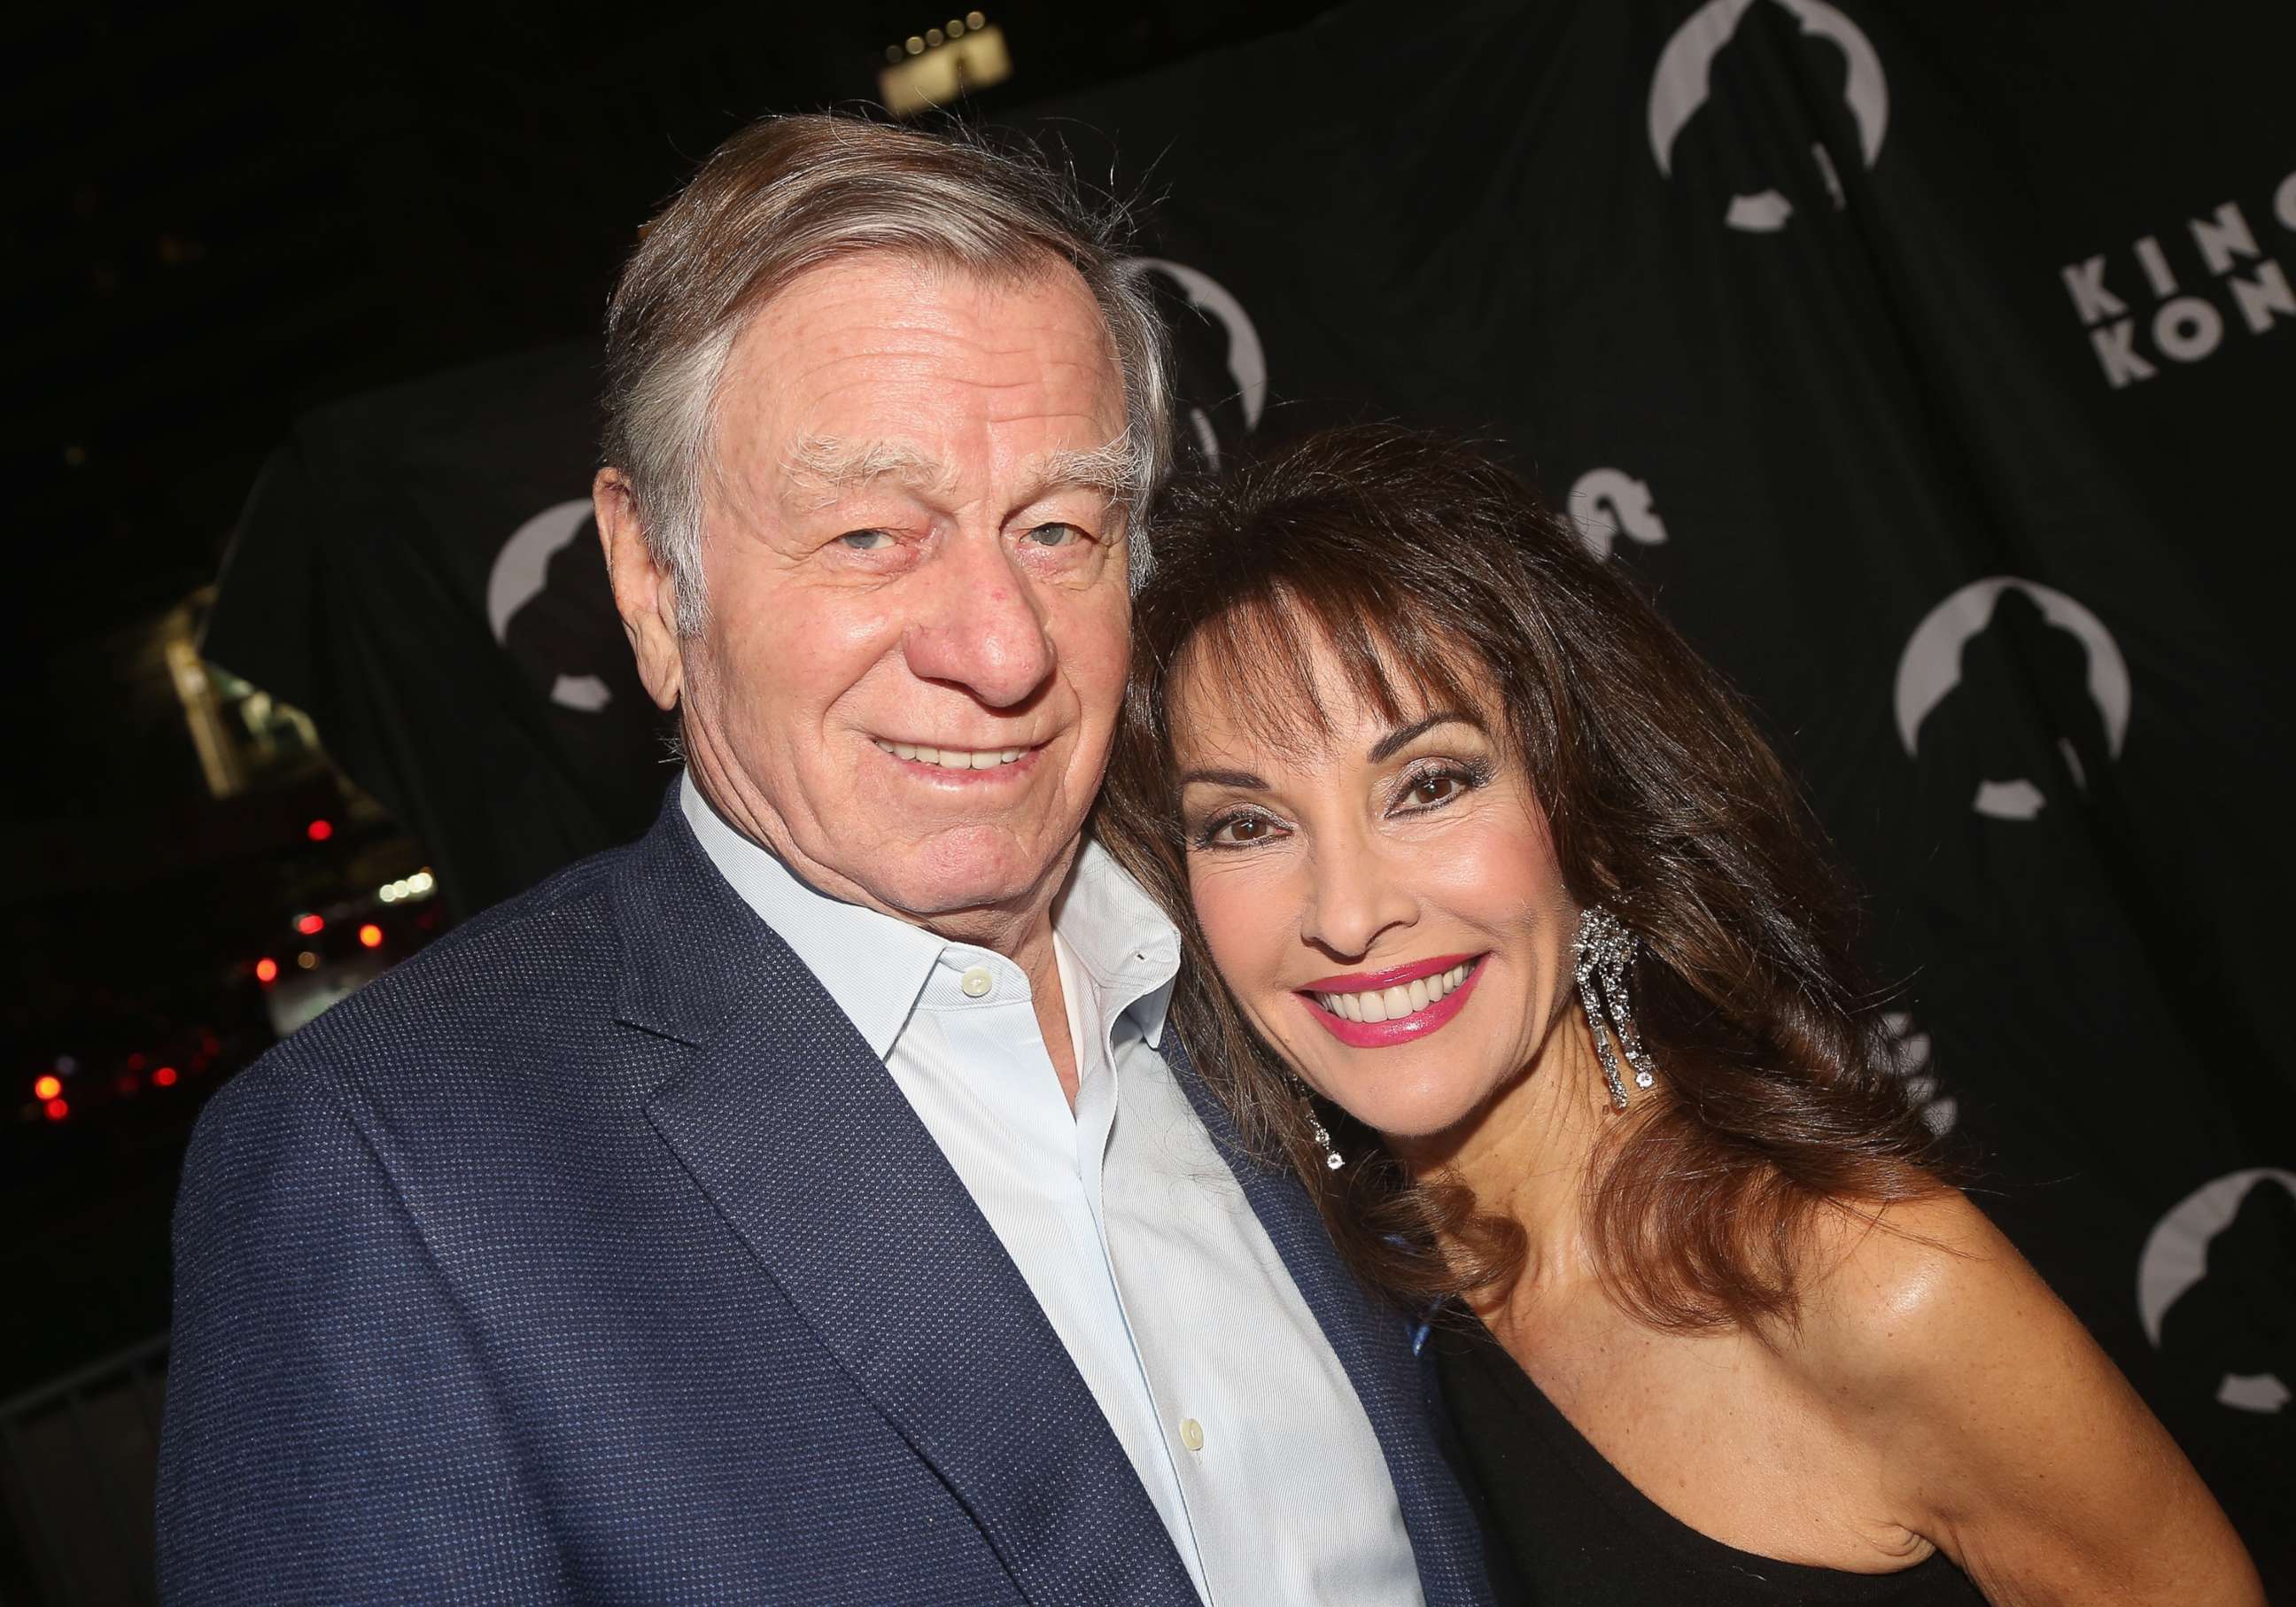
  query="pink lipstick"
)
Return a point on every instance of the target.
[{"x": 1397, "y": 1029}]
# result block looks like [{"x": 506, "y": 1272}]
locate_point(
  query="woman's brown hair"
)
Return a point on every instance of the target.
[{"x": 1414, "y": 560}]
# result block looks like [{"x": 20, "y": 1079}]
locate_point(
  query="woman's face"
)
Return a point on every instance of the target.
[{"x": 1385, "y": 904}]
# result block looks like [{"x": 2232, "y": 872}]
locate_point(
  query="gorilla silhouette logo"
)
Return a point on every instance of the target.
[
  {"x": 2213, "y": 1289},
  {"x": 541, "y": 557},
  {"x": 1981, "y": 658},
  {"x": 1684, "y": 82},
  {"x": 1219, "y": 371},
  {"x": 1606, "y": 503}
]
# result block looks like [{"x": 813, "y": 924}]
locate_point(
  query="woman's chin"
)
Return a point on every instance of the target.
[
  {"x": 1415, "y": 1114},
  {"x": 1430, "y": 1111}
]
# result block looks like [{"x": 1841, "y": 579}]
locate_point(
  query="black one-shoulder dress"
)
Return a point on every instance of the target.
[{"x": 1563, "y": 1526}]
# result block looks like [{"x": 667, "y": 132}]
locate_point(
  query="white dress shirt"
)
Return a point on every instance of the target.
[{"x": 1125, "y": 1222}]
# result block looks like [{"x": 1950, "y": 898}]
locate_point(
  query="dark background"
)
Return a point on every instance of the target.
[{"x": 334, "y": 282}]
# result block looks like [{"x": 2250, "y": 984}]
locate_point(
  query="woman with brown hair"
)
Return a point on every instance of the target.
[{"x": 1508, "y": 930}]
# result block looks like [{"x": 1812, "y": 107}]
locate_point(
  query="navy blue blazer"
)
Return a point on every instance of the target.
[{"x": 591, "y": 1256}]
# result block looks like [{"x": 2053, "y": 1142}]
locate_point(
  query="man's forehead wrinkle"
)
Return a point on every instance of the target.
[
  {"x": 1029, "y": 339},
  {"x": 1043, "y": 380},
  {"x": 1046, "y": 391}
]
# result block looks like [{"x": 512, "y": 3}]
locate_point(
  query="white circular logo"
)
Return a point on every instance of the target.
[
  {"x": 2177, "y": 1259},
  {"x": 521, "y": 570},
  {"x": 1932, "y": 665},
  {"x": 1208, "y": 382},
  {"x": 1684, "y": 82},
  {"x": 1606, "y": 503}
]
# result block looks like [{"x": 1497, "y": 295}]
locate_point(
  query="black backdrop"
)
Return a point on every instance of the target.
[{"x": 1932, "y": 363}]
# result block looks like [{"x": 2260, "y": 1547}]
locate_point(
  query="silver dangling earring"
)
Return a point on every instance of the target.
[
  {"x": 1332, "y": 1159},
  {"x": 1604, "y": 948}
]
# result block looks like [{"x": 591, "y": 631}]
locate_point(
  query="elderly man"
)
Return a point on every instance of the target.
[{"x": 803, "y": 1204}]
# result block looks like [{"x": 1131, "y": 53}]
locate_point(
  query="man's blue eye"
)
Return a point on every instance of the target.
[
  {"x": 1054, "y": 535},
  {"x": 867, "y": 541}
]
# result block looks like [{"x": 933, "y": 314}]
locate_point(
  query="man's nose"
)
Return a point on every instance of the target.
[
  {"x": 1355, "y": 895},
  {"x": 980, "y": 625}
]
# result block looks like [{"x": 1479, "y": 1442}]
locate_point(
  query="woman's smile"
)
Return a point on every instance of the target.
[{"x": 1375, "y": 1010}]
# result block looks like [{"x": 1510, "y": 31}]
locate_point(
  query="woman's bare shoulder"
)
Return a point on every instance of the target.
[
  {"x": 2008, "y": 1436},
  {"x": 1893, "y": 1293}
]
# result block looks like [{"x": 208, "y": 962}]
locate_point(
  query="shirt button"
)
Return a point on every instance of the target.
[
  {"x": 977, "y": 982},
  {"x": 1192, "y": 1434}
]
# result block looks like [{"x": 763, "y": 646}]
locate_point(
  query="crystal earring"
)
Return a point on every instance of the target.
[
  {"x": 1604, "y": 949},
  {"x": 1332, "y": 1159}
]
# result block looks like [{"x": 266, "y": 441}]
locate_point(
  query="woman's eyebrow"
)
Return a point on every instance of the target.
[
  {"x": 1393, "y": 742},
  {"x": 1243, "y": 779}
]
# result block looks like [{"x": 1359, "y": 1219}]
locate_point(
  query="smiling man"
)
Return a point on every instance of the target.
[
  {"x": 806, "y": 1203},
  {"x": 912, "y": 638}
]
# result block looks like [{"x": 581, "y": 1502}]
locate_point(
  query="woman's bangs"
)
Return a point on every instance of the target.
[{"x": 1267, "y": 658}]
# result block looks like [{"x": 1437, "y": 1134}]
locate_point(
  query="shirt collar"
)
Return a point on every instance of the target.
[
  {"x": 1123, "y": 941},
  {"x": 873, "y": 965}
]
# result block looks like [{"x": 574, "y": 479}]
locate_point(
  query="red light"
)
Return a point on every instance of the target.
[
  {"x": 319, "y": 831},
  {"x": 309, "y": 924},
  {"x": 266, "y": 970},
  {"x": 164, "y": 1077},
  {"x": 135, "y": 1061},
  {"x": 371, "y": 935},
  {"x": 58, "y": 1109},
  {"x": 47, "y": 1087}
]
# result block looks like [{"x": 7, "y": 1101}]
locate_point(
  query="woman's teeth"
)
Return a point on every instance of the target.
[
  {"x": 953, "y": 758},
  {"x": 1388, "y": 1004}
]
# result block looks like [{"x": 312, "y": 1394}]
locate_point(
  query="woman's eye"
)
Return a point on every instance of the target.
[
  {"x": 1434, "y": 788},
  {"x": 1239, "y": 830},
  {"x": 1054, "y": 536},
  {"x": 867, "y": 541}
]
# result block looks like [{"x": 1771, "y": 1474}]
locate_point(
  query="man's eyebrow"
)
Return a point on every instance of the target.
[
  {"x": 1243, "y": 779},
  {"x": 827, "y": 464},
  {"x": 824, "y": 465},
  {"x": 1397, "y": 739},
  {"x": 1110, "y": 470}
]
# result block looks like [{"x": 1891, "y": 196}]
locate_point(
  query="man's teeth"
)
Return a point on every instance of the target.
[
  {"x": 953, "y": 758},
  {"x": 1388, "y": 1004}
]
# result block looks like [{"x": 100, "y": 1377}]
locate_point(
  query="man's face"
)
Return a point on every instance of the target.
[{"x": 918, "y": 613}]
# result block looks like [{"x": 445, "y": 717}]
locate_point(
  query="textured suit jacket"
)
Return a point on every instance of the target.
[{"x": 591, "y": 1256}]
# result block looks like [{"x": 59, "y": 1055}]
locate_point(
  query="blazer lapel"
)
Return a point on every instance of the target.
[
  {"x": 794, "y": 1129},
  {"x": 1373, "y": 1343}
]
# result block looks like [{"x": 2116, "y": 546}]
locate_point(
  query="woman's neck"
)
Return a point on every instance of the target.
[{"x": 1527, "y": 1154}]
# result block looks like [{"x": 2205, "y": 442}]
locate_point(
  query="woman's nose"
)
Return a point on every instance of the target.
[{"x": 1355, "y": 895}]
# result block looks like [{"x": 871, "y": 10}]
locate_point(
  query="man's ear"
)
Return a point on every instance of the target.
[{"x": 645, "y": 592}]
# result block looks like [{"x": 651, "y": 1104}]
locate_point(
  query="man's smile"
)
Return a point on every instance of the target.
[{"x": 961, "y": 766}]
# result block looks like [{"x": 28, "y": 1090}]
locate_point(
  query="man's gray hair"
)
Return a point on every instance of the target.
[{"x": 787, "y": 195}]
